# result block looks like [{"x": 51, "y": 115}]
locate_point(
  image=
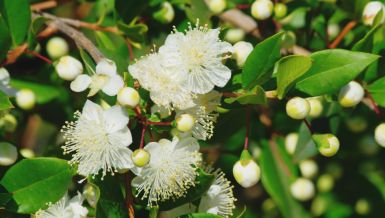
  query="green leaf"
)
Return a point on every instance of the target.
[
  {"x": 35, "y": 182},
  {"x": 5, "y": 39},
  {"x": 278, "y": 172},
  {"x": 5, "y": 103},
  {"x": 200, "y": 215},
  {"x": 129, "y": 9},
  {"x": 133, "y": 32},
  {"x": 111, "y": 201},
  {"x": 88, "y": 61},
  {"x": 377, "y": 90},
  {"x": 44, "y": 93},
  {"x": 289, "y": 69},
  {"x": 366, "y": 43},
  {"x": 305, "y": 147},
  {"x": 198, "y": 9},
  {"x": 202, "y": 184},
  {"x": 333, "y": 69},
  {"x": 261, "y": 60},
  {"x": 255, "y": 96},
  {"x": 17, "y": 14}
]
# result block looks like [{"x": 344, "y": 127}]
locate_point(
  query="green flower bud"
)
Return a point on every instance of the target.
[
  {"x": 140, "y": 157},
  {"x": 57, "y": 47},
  {"x": 25, "y": 99},
  {"x": 8, "y": 154},
  {"x": 280, "y": 10},
  {"x": 328, "y": 145},
  {"x": 316, "y": 107},
  {"x": 185, "y": 122},
  {"x": 325, "y": 183},
  {"x": 216, "y": 6}
]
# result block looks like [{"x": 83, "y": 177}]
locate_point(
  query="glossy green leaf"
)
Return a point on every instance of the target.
[
  {"x": 289, "y": 69},
  {"x": 134, "y": 32},
  {"x": 17, "y": 14},
  {"x": 200, "y": 215},
  {"x": 278, "y": 171},
  {"x": 5, "y": 103},
  {"x": 377, "y": 90},
  {"x": 35, "y": 182},
  {"x": 198, "y": 10},
  {"x": 366, "y": 43},
  {"x": 305, "y": 147},
  {"x": 111, "y": 201},
  {"x": 259, "y": 64},
  {"x": 5, "y": 39},
  {"x": 88, "y": 61},
  {"x": 129, "y": 9},
  {"x": 332, "y": 69},
  {"x": 44, "y": 93},
  {"x": 255, "y": 96}
]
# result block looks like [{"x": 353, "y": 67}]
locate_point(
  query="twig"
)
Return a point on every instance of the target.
[
  {"x": 79, "y": 38},
  {"x": 308, "y": 125},
  {"x": 93, "y": 26},
  {"x": 141, "y": 145},
  {"x": 129, "y": 196},
  {"x": 43, "y": 5},
  {"x": 41, "y": 57},
  {"x": 373, "y": 104},
  {"x": 349, "y": 26},
  {"x": 246, "y": 145}
]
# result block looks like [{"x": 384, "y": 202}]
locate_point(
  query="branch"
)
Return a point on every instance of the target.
[
  {"x": 129, "y": 196},
  {"x": 342, "y": 34},
  {"x": 43, "y": 5},
  {"x": 79, "y": 38}
]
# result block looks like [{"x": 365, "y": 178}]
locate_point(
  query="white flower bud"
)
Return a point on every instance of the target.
[
  {"x": 185, "y": 122},
  {"x": 333, "y": 30},
  {"x": 234, "y": 35},
  {"x": 316, "y": 107},
  {"x": 351, "y": 94},
  {"x": 57, "y": 47},
  {"x": 302, "y": 189},
  {"x": 242, "y": 50},
  {"x": 291, "y": 141},
  {"x": 8, "y": 154},
  {"x": 90, "y": 193},
  {"x": 309, "y": 168},
  {"x": 27, "y": 153},
  {"x": 370, "y": 12},
  {"x": 262, "y": 9},
  {"x": 297, "y": 108},
  {"x": 325, "y": 183},
  {"x": 68, "y": 68},
  {"x": 140, "y": 157},
  {"x": 328, "y": 145},
  {"x": 25, "y": 99},
  {"x": 246, "y": 171},
  {"x": 216, "y": 6},
  {"x": 4, "y": 76},
  {"x": 379, "y": 134},
  {"x": 128, "y": 96}
]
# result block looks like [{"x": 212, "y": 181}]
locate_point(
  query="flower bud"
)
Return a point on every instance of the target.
[
  {"x": 302, "y": 189},
  {"x": 379, "y": 134},
  {"x": 309, "y": 168},
  {"x": 368, "y": 145},
  {"x": 362, "y": 207},
  {"x": 262, "y": 9},
  {"x": 8, "y": 154},
  {"x": 316, "y": 107},
  {"x": 91, "y": 194},
  {"x": 333, "y": 30},
  {"x": 351, "y": 94},
  {"x": 288, "y": 40},
  {"x": 234, "y": 35},
  {"x": 291, "y": 141},
  {"x": 297, "y": 108},
  {"x": 25, "y": 99},
  {"x": 8, "y": 122},
  {"x": 280, "y": 10},
  {"x": 370, "y": 12},
  {"x": 185, "y": 122},
  {"x": 57, "y": 47},
  {"x": 356, "y": 124},
  {"x": 216, "y": 6},
  {"x": 140, "y": 157},
  {"x": 325, "y": 183},
  {"x": 328, "y": 145},
  {"x": 128, "y": 96},
  {"x": 246, "y": 171},
  {"x": 166, "y": 14},
  {"x": 242, "y": 50},
  {"x": 27, "y": 153},
  {"x": 4, "y": 76},
  {"x": 68, "y": 68}
]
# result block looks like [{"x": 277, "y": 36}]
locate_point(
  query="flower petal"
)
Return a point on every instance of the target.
[
  {"x": 81, "y": 83},
  {"x": 121, "y": 138},
  {"x": 92, "y": 111},
  {"x": 116, "y": 118},
  {"x": 106, "y": 67},
  {"x": 114, "y": 84}
]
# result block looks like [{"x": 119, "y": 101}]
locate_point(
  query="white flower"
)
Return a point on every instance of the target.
[
  {"x": 219, "y": 199},
  {"x": 65, "y": 208},
  {"x": 106, "y": 79},
  {"x": 171, "y": 171},
  {"x": 197, "y": 57},
  {"x": 98, "y": 140},
  {"x": 164, "y": 85}
]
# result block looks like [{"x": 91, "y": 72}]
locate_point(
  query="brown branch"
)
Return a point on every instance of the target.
[
  {"x": 43, "y": 5},
  {"x": 79, "y": 38},
  {"x": 129, "y": 196},
  {"x": 343, "y": 33},
  {"x": 14, "y": 54},
  {"x": 92, "y": 26}
]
